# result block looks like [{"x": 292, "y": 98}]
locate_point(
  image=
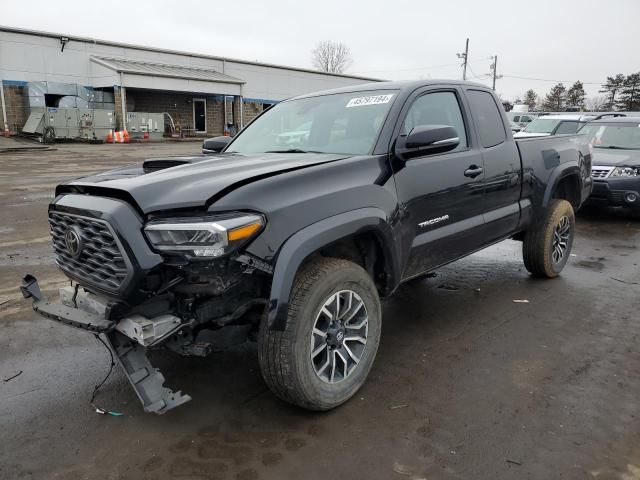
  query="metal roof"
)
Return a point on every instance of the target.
[
  {"x": 96, "y": 41},
  {"x": 139, "y": 67}
]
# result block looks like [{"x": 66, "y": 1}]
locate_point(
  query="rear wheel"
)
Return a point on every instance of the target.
[
  {"x": 547, "y": 247},
  {"x": 331, "y": 336}
]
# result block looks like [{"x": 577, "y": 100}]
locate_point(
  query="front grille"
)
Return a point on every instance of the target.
[
  {"x": 100, "y": 263},
  {"x": 601, "y": 172},
  {"x": 617, "y": 196}
]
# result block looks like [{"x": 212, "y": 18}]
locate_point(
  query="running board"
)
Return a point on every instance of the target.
[{"x": 147, "y": 381}]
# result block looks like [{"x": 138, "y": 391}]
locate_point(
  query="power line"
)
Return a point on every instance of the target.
[
  {"x": 483, "y": 76},
  {"x": 548, "y": 80},
  {"x": 408, "y": 69}
]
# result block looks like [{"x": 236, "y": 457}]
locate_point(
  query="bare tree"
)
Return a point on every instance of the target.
[
  {"x": 332, "y": 57},
  {"x": 598, "y": 103}
]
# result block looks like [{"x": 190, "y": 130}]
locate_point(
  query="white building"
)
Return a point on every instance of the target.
[{"x": 202, "y": 93}]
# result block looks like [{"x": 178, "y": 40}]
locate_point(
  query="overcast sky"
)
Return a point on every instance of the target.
[{"x": 564, "y": 40}]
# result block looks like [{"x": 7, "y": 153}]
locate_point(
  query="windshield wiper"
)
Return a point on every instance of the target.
[{"x": 292, "y": 150}]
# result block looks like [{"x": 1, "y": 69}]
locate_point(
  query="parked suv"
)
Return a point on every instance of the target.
[
  {"x": 298, "y": 241},
  {"x": 616, "y": 160},
  {"x": 554, "y": 125}
]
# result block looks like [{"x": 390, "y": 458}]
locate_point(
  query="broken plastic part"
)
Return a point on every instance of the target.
[{"x": 147, "y": 381}]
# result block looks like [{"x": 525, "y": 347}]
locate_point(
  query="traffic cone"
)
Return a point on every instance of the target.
[
  {"x": 125, "y": 136},
  {"x": 110, "y": 136}
]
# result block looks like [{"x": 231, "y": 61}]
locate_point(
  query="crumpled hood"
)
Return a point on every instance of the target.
[
  {"x": 610, "y": 157},
  {"x": 196, "y": 180}
]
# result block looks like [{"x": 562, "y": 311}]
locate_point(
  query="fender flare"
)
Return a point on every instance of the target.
[
  {"x": 310, "y": 239},
  {"x": 563, "y": 171}
]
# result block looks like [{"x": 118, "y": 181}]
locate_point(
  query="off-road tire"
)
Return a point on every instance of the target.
[
  {"x": 537, "y": 247},
  {"x": 284, "y": 356}
]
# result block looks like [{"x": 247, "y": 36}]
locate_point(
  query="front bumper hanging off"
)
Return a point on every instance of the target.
[{"x": 147, "y": 381}]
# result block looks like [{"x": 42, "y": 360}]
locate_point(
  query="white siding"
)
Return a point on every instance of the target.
[{"x": 34, "y": 57}]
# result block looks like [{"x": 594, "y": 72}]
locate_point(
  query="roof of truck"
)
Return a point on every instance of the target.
[{"x": 399, "y": 85}]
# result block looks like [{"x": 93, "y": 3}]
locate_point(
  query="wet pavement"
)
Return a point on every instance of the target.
[{"x": 467, "y": 383}]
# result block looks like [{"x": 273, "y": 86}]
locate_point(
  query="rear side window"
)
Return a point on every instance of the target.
[
  {"x": 516, "y": 118},
  {"x": 568, "y": 127},
  {"x": 488, "y": 118}
]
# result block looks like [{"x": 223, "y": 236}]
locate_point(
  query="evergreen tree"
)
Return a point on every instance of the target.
[
  {"x": 555, "y": 99},
  {"x": 629, "y": 98},
  {"x": 530, "y": 99},
  {"x": 612, "y": 87},
  {"x": 576, "y": 95}
]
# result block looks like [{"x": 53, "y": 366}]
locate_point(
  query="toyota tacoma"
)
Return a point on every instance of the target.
[{"x": 297, "y": 237}]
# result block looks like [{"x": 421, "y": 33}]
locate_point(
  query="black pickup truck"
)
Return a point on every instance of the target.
[{"x": 322, "y": 206}]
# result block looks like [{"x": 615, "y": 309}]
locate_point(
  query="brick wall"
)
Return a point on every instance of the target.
[
  {"x": 117, "y": 95},
  {"x": 179, "y": 106},
  {"x": 251, "y": 110},
  {"x": 17, "y": 108}
]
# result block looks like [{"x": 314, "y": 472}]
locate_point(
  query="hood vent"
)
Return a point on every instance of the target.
[{"x": 152, "y": 165}]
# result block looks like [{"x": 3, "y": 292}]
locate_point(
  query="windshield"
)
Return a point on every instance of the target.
[
  {"x": 340, "y": 123},
  {"x": 542, "y": 125},
  {"x": 624, "y": 136}
]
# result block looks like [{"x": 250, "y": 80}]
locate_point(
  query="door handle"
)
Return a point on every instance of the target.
[{"x": 473, "y": 171}]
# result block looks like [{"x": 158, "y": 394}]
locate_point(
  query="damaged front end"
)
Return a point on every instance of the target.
[{"x": 146, "y": 282}]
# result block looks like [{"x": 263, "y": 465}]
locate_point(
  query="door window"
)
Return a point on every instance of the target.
[
  {"x": 438, "y": 108},
  {"x": 517, "y": 118},
  {"x": 568, "y": 127},
  {"x": 525, "y": 119},
  {"x": 488, "y": 118}
]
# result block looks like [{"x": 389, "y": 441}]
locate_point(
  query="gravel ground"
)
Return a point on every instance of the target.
[{"x": 467, "y": 384}]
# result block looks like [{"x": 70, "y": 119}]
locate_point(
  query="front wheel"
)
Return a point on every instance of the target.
[
  {"x": 546, "y": 247},
  {"x": 331, "y": 337}
]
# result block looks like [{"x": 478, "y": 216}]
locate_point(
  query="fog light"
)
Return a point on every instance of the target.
[{"x": 631, "y": 197}]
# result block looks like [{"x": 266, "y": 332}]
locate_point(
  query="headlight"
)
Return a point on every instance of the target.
[
  {"x": 626, "y": 172},
  {"x": 204, "y": 236}
]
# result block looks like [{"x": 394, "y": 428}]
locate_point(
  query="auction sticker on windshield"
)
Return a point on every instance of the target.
[{"x": 370, "y": 100}]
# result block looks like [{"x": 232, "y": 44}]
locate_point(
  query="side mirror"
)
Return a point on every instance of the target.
[
  {"x": 441, "y": 138},
  {"x": 215, "y": 144}
]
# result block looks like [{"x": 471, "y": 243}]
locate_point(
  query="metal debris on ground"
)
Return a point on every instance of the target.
[
  {"x": 624, "y": 281},
  {"x": 12, "y": 377},
  {"x": 402, "y": 469},
  {"x": 520, "y": 301}
]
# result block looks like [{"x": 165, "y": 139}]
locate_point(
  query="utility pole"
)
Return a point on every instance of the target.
[
  {"x": 494, "y": 71},
  {"x": 464, "y": 57}
]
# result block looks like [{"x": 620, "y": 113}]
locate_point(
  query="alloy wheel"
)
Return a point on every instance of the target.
[
  {"x": 561, "y": 235},
  {"x": 339, "y": 336}
]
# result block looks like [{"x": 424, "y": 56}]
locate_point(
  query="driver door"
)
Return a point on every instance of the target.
[{"x": 440, "y": 194}]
